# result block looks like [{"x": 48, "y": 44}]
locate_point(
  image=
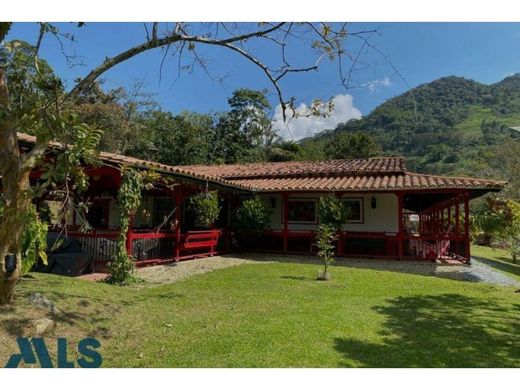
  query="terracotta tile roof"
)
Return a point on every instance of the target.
[
  {"x": 302, "y": 168},
  {"x": 384, "y": 182},
  {"x": 375, "y": 174},
  {"x": 119, "y": 159}
]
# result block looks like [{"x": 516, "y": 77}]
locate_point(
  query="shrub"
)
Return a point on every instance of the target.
[
  {"x": 496, "y": 219},
  {"x": 332, "y": 211},
  {"x": 254, "y": 215},
  {"x": 325, "y": 240},
  {"x": 205, "y": 208}
]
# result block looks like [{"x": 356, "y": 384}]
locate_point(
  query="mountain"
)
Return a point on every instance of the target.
[{"x": 447, "y": 126}]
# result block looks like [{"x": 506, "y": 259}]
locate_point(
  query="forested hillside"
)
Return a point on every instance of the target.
[{"x": 449, "y": 126}]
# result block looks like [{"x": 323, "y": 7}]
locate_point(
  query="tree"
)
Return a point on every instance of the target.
[
  {"x": 352, "y": 145},
  {"x": 119, "y": 113},
  {"x": 497, "y": 219},
  {"x": 332, "y": 211},
  {"x": 175, "y": 140},
  {"x": 33, "y": 99},
  {"x": 244, "y": 134},
  {"x": 325, "y": 241}
]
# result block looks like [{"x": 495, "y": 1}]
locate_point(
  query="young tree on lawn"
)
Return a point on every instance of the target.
[{"x": 44, "y": 108}]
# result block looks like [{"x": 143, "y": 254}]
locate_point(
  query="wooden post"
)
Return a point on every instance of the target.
[
  {"x": 129, "y": 238},
  {"x": 340, "y": 249},
  {"x": 285, "y": 206},
  {"x": 178, "y": 216},
  {"x": 400, "y": 224},
  {"x": 466, "y": 227}
]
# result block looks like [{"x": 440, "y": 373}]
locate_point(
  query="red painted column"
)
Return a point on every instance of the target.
[
  {"x": 285, "y": 206},
  {"x": 178, "y": 216},
  {"x": 129, "y": 238},
  {"x": 340, "y": 249},
  {"x": 449, "y": 218},
  {"x": 400, "y": 232},
  {"x": 457, "y": 224},
  {"x": 466, "y": 227},
  {"x": 457, "y": 217}
]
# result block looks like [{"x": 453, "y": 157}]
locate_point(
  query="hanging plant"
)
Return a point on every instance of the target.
[{"x": 205, "y": 208}]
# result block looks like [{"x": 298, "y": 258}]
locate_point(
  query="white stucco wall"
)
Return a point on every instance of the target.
[{"x": 384, "y": 218}]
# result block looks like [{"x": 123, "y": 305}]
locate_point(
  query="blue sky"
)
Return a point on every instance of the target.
[{"x": 422, "y": 52}]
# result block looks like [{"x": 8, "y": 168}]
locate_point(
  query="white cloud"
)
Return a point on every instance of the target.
[
  {"x": 374, "y": 85},
  {"x": 301, "y": 127}
]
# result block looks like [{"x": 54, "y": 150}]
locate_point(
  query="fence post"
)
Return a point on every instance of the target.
[{"x": 129, "y": 236}]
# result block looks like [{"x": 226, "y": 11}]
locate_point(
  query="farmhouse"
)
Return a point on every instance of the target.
[{"x": 394, "y": 213}]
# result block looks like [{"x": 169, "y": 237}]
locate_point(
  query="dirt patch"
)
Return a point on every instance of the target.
[{"x": 170, "y": 273}]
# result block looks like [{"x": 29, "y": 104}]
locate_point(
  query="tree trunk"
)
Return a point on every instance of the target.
[{"x": 16, "y": 201}]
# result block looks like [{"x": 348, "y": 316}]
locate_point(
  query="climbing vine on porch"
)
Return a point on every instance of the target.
[{"x": 122, "y": 268}]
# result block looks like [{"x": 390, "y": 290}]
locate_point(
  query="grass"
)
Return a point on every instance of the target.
[
  {"x": 499, "y": 259},
  {"x": 278, "y": 315},
  {"x": 471, "y": 125}
]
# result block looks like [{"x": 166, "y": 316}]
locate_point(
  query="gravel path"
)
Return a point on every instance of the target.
[
  {"x": 478, "y": 271},
  {"x": 169, "y": 273}
]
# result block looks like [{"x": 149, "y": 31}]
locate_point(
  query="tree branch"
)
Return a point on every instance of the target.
[{"x": 155, "y": 43}]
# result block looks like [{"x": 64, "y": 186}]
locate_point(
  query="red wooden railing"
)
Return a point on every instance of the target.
[
  {"x": 153, "y": 247},
  {"x": 429, "y": 247}
]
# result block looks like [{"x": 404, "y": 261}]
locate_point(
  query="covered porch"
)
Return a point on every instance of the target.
[
  {"x": 429, "y": 225},
  {"x": 160, "y": 231}
]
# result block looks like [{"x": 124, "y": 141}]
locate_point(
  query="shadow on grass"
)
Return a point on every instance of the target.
[
  {"x": 504, "y": 266},
  {"x": 289, "y": 277},
  {"x": 79, "y": 312},
  {"x": 448, "y": 330}
]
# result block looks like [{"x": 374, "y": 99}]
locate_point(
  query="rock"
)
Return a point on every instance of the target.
[
  {"x": 42, "y": 302},
  {"x": 42, "y": 325}
]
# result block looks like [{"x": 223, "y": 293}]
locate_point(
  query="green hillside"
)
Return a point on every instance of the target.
[{"x": 448, "y": 126}]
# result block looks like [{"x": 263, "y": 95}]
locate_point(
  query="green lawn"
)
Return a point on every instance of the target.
[
  {"x": 277, "y": 315},
  {"x": 499, "y": 259}
]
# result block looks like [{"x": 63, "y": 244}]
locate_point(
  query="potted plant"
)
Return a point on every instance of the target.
[{"x": 205, "y": 209}]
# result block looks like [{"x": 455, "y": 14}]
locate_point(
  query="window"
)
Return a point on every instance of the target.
[
  {"x": 355, "y": 206},
  {"x": 301, "y": 211}
]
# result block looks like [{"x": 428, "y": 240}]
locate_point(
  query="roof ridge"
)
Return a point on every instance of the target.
[
  {"x": 293, "y": 162},
  {"x": 455, "y": 177}
]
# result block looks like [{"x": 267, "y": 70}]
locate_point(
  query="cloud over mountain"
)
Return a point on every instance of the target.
[{"x": 301, "y": 127}]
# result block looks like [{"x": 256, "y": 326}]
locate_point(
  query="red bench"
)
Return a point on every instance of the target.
[{"x": 198, "y": 240}]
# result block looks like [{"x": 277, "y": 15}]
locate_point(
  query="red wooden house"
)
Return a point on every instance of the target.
[{"x": 395, "y": 214}]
